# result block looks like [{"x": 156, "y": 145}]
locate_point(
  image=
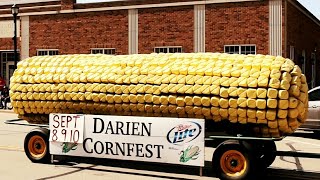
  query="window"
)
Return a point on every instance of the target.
[
  {"x": 168, "y": 49},
  {"x": 313, "y": 70},
  {"x": 103, "y": 51},
  {"x": 240, "y": 49},
  {"x": 7, "y": 56},
  {"x": 314, "y": 95},
  {"x": 47, "y": 52},
  {"x": 303, "y": 61},
  {"x": 232, "y": 49},
  {"x": 292, "y": 52}
]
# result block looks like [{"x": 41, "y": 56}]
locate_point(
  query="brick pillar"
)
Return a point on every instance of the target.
[{"x": 67, "y": 4}]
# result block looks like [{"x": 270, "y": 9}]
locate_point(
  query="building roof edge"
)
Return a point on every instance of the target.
[
  {"x": 9, "y": 3},
  {"x": 304, "y": 10}
]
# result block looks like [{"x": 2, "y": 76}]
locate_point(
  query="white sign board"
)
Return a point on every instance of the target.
[
  {"x": 66, "y": 128},
  {"x": 151, "y": 139},
  {"x": 7, "y": 29}
]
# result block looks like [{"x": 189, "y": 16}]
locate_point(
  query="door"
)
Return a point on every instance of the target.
[
  {"x": 9, "y": 70},
  {"x": 7, "y": 65},
  {"x": 313, "y": 70},
  {"x": 303, "y": 61}
]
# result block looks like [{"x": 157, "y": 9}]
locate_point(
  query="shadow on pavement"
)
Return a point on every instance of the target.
[
  {"x": 135, "y": 165},
  {"x": 146, "y": 169},
  {"x": 65, "y": 174},
  {"x": 284, "y": 174}
]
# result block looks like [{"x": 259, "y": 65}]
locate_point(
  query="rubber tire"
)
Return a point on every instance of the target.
[
  {"x": 246, "y": 151},
  {"x": 269, "y": 154},
  {"x": 43, "y": 133}
]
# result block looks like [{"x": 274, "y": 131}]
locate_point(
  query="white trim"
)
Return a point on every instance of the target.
[
  {"x": 25, "y": 37},
  {"x": 133, "y": 29},
  {"x": 285, "y": 29},
  {"x": 30, "y": 14},
  {"x": 275, "y": 27},
  {"x": 168, "y": 47},
  {"x": 33, "y": 7},
  {"x": 6, "y": 50},
  {"x": 100, "y": 48},
  {"x": 199, "y": 28},
  {"x": 24, "y": 2},
  {"x": 191, "y": 3},
  {"x": 241, "y": 45},
  {"x": 47, "y": 49}
]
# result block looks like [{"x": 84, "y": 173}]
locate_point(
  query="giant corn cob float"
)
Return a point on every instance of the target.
[{"x": 267, "y": 92}]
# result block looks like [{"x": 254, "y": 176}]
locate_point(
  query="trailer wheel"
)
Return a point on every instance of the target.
[
  {"x": 36, "y": 146},
  {"x": 269, "y": 154},
  {"x": 233, "y": 161}
]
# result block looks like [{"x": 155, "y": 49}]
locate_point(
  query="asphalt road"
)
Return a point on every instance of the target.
[{"x": 15, "y": 165}]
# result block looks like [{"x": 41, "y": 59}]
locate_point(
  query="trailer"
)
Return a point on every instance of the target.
[
  {"x": 245, "y": 103},
  {"x": 178, "y": 141}
]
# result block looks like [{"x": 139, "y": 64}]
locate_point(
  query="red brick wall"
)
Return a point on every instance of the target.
[
  {"x": 77, "y": 33},
  {"x": 237, "y": 23},
  {"x": 6, "y": 44},
  {"x": 170, "y": 26},
  {"x": 303, "y": 34},
  {"x": 67, "y": 4}
]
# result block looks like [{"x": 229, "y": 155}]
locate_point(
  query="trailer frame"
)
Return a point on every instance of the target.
[{"x": 253, "y": 154}]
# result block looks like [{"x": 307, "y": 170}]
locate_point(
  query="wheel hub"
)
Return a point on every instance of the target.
[
  {"x": 38, "y": 146},
  {"x": 234, "y": 163}
]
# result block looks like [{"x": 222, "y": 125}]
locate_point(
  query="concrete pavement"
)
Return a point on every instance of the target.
[
  {"x": 6, "y": 111},
  {"x": 15, "y": 165}
]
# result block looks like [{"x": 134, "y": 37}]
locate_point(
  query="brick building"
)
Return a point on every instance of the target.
[{"x": 276, "y": 27}]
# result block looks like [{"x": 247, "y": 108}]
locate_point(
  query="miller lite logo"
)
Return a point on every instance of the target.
[{"x": 184, "y": 133}]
